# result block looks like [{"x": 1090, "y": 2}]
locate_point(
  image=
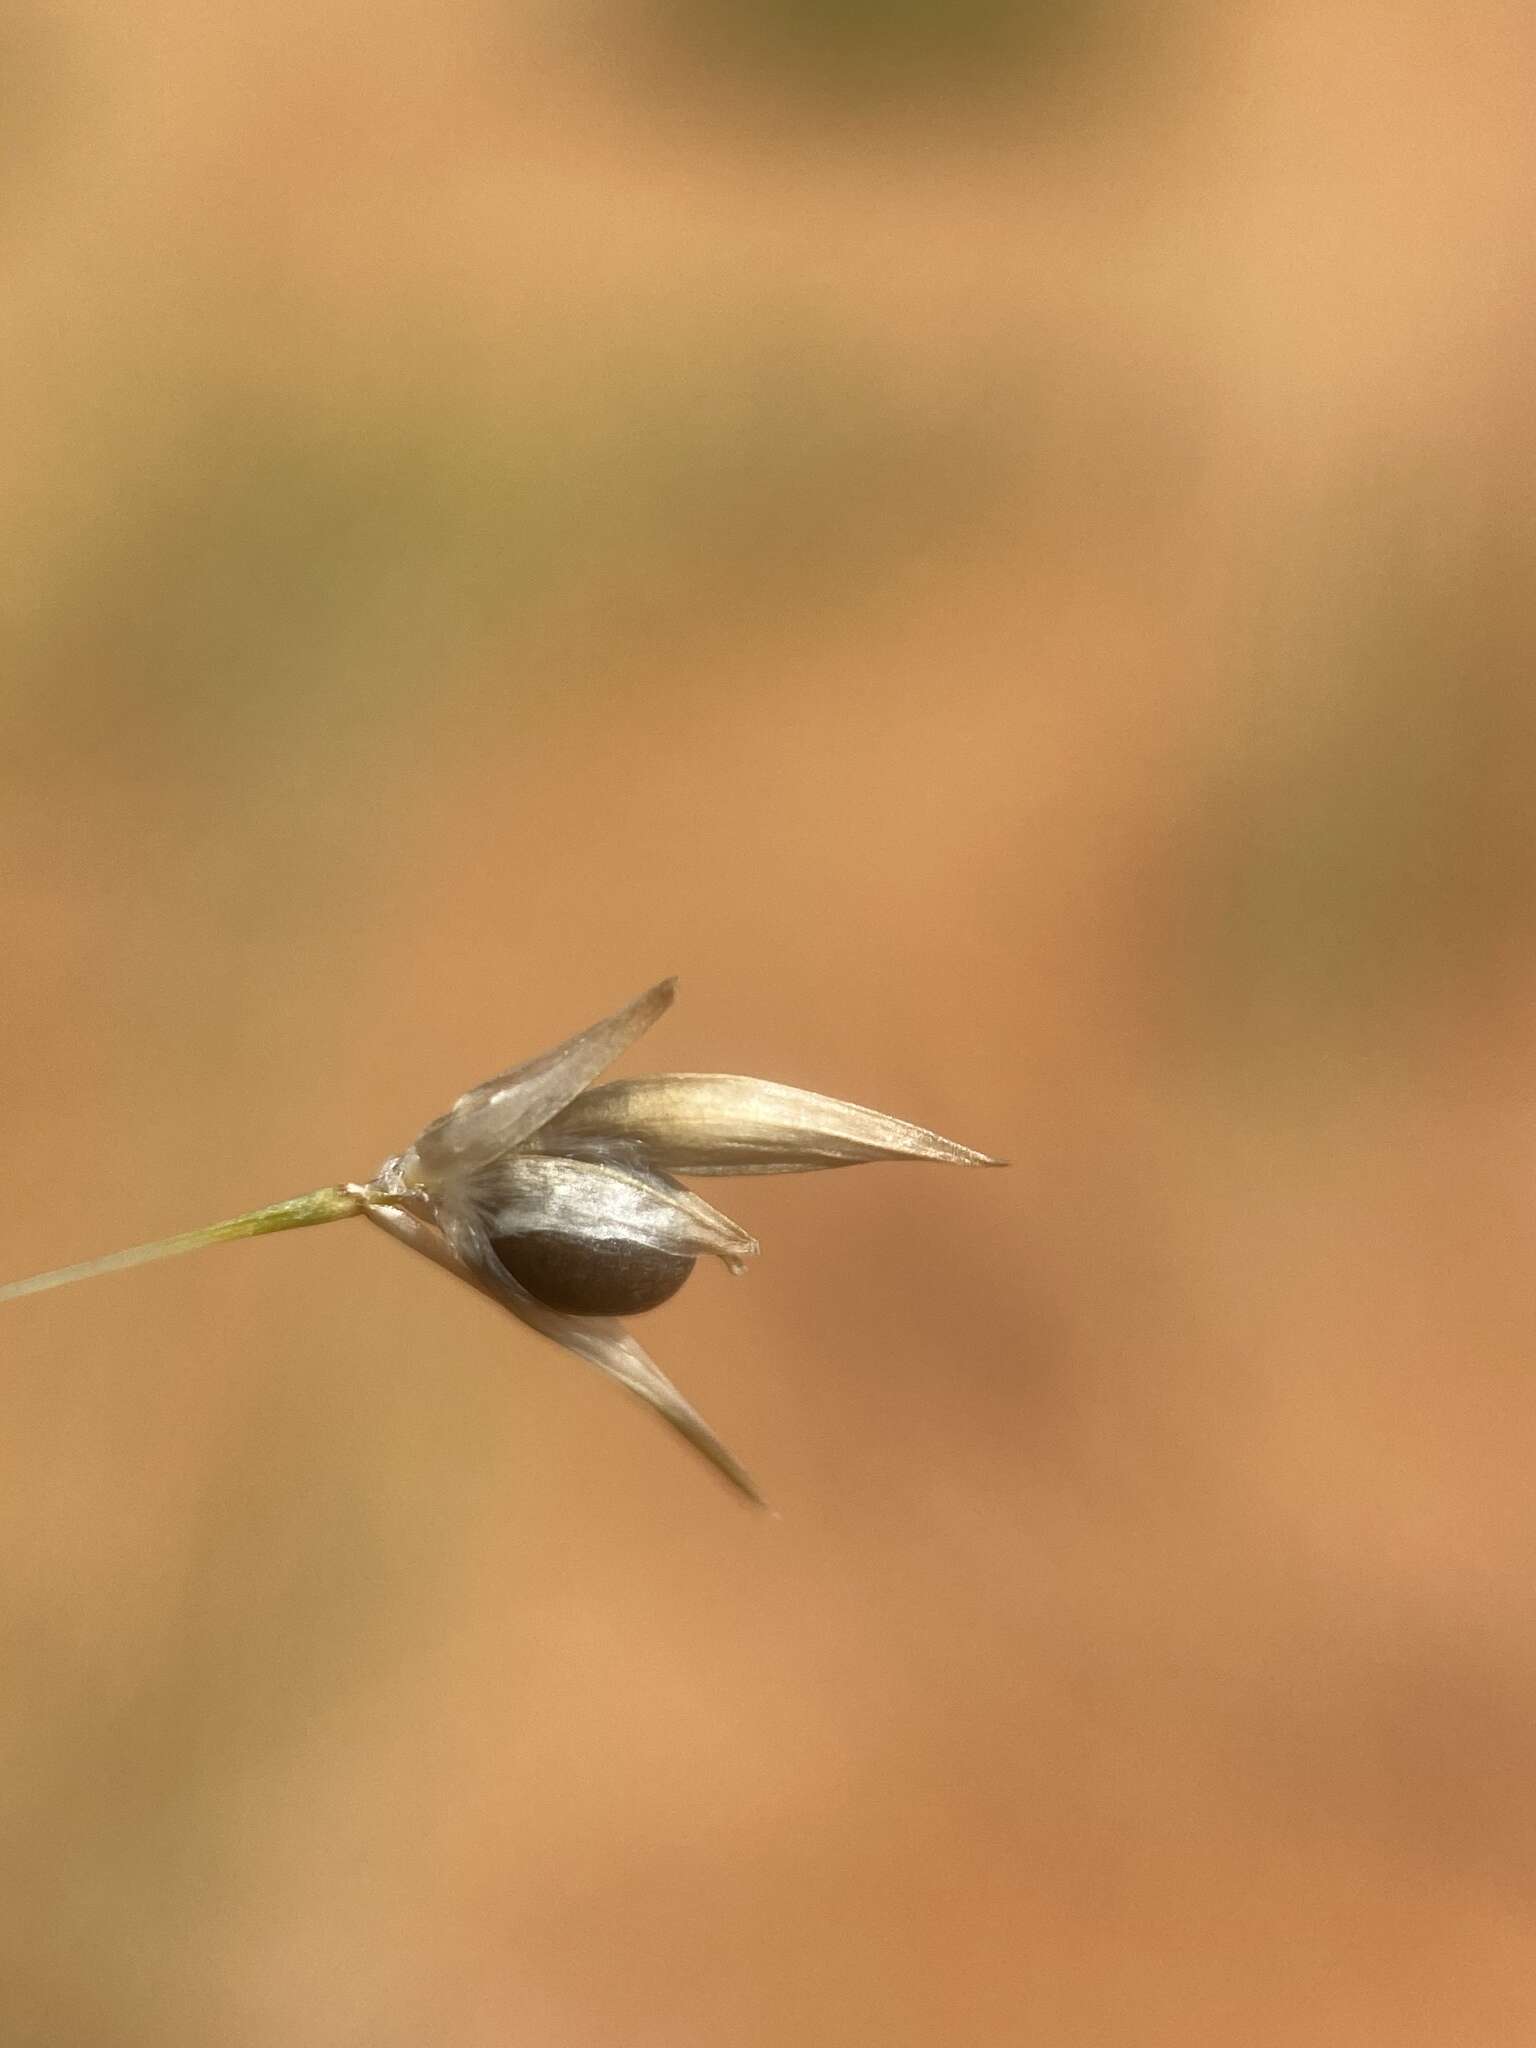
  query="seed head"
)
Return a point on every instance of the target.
[{"x": 557, "y": 1196}]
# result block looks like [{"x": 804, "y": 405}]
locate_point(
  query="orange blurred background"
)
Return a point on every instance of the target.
[{"x": 996, "y": 542}]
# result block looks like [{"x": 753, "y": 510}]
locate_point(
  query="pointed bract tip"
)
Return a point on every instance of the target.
[{"x": 734, "y": 1123}]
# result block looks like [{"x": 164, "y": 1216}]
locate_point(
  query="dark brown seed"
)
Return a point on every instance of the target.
[{"x": 606, "y": 1277}]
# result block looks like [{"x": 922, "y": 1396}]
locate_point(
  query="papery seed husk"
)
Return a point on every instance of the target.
[
  {"x": 615, "y": 1351},
  {"x": 592, "y": 1200},
  {"x": 456, "y": 1241},
  {"x": 490, "y": 1119},
  {"x": 733, "y": 1123}
]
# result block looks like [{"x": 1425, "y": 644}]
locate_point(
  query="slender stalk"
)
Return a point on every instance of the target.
[{"x": 324, "y": 1205}]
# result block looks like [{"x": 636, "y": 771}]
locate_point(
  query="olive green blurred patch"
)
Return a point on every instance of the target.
[
  {"x": 858, "y": 47},
  {"x": 149, "y": 1807},
  {"x": 1367, "y": 852},
  {"x": 252, "y": 550}
]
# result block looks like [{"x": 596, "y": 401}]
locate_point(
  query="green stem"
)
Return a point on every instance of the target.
[{"x": 325, "y": 1205}]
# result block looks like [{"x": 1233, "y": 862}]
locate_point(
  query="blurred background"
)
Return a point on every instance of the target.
[{"x": 996, "y": 542}]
